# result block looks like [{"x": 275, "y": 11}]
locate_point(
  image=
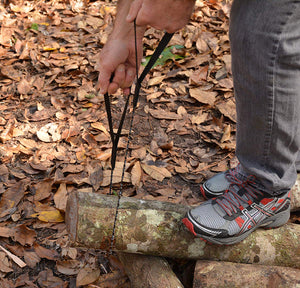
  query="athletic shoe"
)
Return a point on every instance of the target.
[
  {"x": 231, "y": 217},
  {"x": 218, "y": 184}
]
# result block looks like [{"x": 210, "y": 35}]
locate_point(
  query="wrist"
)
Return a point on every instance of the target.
[{"x": 125, "y": 31}]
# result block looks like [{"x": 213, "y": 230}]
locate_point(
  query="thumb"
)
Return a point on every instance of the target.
[{"x": 134, "y": 10}]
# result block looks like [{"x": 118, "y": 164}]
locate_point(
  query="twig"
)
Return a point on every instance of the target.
[{"x": 15, "y": 258}]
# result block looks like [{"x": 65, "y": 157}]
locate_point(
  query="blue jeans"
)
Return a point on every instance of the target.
[{"x": 265, "y": 47}]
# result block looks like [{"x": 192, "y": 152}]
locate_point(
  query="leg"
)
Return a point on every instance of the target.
[
  {"x": 298, "y": 162},
  {"x": 265, "y": 46},
  {"x": 265, "y": 41}
]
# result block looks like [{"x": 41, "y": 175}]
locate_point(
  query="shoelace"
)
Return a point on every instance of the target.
[{"x": 231, "y": 201}]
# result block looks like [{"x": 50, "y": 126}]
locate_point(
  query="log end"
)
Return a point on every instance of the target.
[{"x": 71, "y": 217}]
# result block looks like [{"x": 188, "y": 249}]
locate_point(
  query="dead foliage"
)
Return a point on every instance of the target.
[{"x": 54, "y": 138}]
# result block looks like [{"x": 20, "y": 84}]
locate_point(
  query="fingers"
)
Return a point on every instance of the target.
[
  {"x": 103, "y": 81},
  {"x": 123, "y": 78},
  {"x": 118, "y": 79},
  {"x": 130, "y": 75}
]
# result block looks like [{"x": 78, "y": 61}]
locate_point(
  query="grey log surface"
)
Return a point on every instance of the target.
[
  {"x": 149, "y": 271},
  {"x": 155, "y": 228},
  {"x": 233, "y": 275}
]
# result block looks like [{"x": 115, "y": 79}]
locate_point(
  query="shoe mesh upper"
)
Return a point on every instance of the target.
[
  {"x": 217, "y": 183},
  {"x": 207, "y": 216},
  {"x": 237, "y": 211}
]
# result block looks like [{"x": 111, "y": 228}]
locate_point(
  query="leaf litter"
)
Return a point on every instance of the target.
[{"x": 54, "y": 132}]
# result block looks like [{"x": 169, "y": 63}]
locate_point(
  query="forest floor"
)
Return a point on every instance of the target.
[{"x": 54, "y": 135}]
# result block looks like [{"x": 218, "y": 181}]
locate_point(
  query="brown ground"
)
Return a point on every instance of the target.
[{"x": 54, "y": 139}]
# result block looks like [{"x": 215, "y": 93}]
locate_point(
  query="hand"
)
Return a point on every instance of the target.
[
  {"x": 168, "y": 15},
  {"x": 117, "y": 58}
]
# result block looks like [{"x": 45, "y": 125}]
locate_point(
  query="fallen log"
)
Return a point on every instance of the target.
[
  {"x": 226, "y": 274},
  {"x": 155, "y": 228},
  {"x": 149, "y": 271}
]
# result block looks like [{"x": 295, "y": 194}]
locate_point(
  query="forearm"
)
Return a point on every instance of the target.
[{"x": 123, "y": 29}]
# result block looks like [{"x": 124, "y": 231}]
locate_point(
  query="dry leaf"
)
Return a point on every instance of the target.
[
  {"x": 104, "y": 155},
  {"x": 24, "y": 235},
  {"x": 206, "y": 97},
  {"x": 24, "y": 87},
  {"x": 154, "y": 95},
  {"x": 43, "y": 252},
  {"x": 31, "y": 258},
  {"x": 87, "y": 276},
  {"x": 11, "y": 198},
  {"x": 60, "y": 197},
  {"x": 157, "y": 173},
  {"x": 53, "y": 216},
  {"x": 136, "y": 174},
  {"x": 6, "y": 232},
  {"x": 4, "y": 263},
  {"x": 181, "y": 111},
  {"x": 169, "y": 192},
  {"x": 227, "y": 134},
  {"x": 201, "y": 45},
  {"x": 139, "y": 153},
  {"x": 46, "y": 279},
  {"x": 49, "y": 133},
  {"x": 43, "y": 190},
  {"x": 161, "y": 114},
  {"x": 116, "y": 177},
  {"x": 71, "y": 168},
  {"x": 29, "y": 143},
  {"x": 182, "y": 170},
  {"x": 228, "y": 109},
  {"x": 199, "y": 118},
  {"x": 10, "y": 72},
  {"x": 156, "y": 80},
  {"x": 69, "y": 252},
  {"x": 226, "y": 83},
  {"x": 101, "y": 127},
  {"x": 8, "y": 132},
  {"x": 69, "y": 267},
  {"x": 95, "y": 172}
]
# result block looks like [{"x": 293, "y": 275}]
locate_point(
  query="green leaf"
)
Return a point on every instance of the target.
[
  {"x": 165, "y": 56},
  {"x": 34, "y": 26},
  {"x": 90, "y": 96}
]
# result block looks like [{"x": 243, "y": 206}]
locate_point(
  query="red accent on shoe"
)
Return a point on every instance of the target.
[
  {"x": 189, "y": 225},
  {"x": 241, "y": 208},
  {"x": 280, "y": 200},
  {"x": 250, "y": 202},
  {"x": 289, "y": 195},
  {"x": 249, "y": 227},
  {"x": 203, "y": 192},
  {"x": 273, "y": 209},
  {"x": 265, "y": 201},
  {"x": 207, "y": 242},
  {"x": 239, "y": 221}
]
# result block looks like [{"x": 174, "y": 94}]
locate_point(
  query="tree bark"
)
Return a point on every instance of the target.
[
  {"x": 149, "y": 271},
  {"x": 155, "y": 228},
  {"x": 226, "y": 274}
]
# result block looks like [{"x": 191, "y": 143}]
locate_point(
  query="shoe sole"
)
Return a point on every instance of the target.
[{"x": 275, "y": 221}]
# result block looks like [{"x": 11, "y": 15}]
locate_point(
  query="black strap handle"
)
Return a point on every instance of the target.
[{"x": 115, "y": 137}]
